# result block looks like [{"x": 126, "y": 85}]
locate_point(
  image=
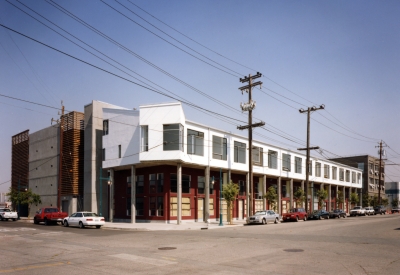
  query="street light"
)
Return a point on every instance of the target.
[
  {"x": 101, "y": 190},
  {"x": 220, "y": 195}
]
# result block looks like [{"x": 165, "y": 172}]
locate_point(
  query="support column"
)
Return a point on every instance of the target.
[
  {"x": 207, "y": 195},
  {"x": 179, "y": 199},
  {"x": 133, "y": 194},
  {"x": 291, "y": 193},
  {"x": 247, "y": 197},
  {"x": 337, "y": 196},
  {"x": 229, "y": 176},
  {"x": 302, "y": 187},
  {"x": 279, "y": 196},
  {"x": 111, "y": 199},
  {"x": 321, "y": 187},
  {"x": 344, "y": 199},
  {"x": 329, "y": 198},
  {"x": 348, "y": 201},
  {"x": 361, "y": 194},
  {"x": 264, "y": 191}
]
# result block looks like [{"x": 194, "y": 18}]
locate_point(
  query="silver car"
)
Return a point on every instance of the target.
[{"x": 264, "y": 217}]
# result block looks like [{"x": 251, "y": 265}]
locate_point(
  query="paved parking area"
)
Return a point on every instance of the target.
[{"x": 359, "y": 245}]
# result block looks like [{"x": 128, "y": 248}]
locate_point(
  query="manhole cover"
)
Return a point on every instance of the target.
[
  {"x": 166, "y": 248},
  {"x": 293, "y": 250}
]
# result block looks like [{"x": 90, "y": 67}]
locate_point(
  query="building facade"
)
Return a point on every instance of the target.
[
  {"x": 165, "y": 168},
  {"x": 392, "y": 190}
]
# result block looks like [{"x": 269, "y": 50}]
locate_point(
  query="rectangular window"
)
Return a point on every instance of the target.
[
  {"x": 186, "y": 211},
  {"x": 242, "y": 188},
  {"x": 173, "y": 137},
  {"x": 318, "y": 169},
  {"x": 156, "y": 183},
  {"x": 341, "y": 174},
  {"x": 257, "y": 155},
  {"x": 174, "y": 183},
  {"x": 239, "y": 152},
  {"x": 286, "y": 162},
  {"x": 139, "y": 184},
  {"x": 219, "y": 148},
  {"x": 347, "y": 176},
  {"x": 186, "y": 184},
  {"x": 359, "y": 178},
  {"x": 156, "y": 206},
  {"x": 195, "y": 142},
  {"x": 119, "y": 151},
  {"x": 297, "y": 163},
  {"x": 201, "y": 183},
  {"x": 139, "y": 207},
  {"x": 310, "y": 168},
  {"x": 128, "y": 185},
  {"x": 105, "y": 127},
  {"x": 211, "y": 206},
  {"x": 128, "y": 206},
  {"x": 104, "y": 154},
  {"x": 144, "y": 138},
  {"x": 272, "y": 159},
  {"x": 326, "y": 171},
  {"x": 353, "y": 177},
  {"x": 334, "y": 173}
]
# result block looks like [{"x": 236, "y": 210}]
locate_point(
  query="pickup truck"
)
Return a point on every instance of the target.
[
  {"x": 357, "y": 211},
  {"x": 6, "y": 214},
  {"x": 49, "y": 215}
]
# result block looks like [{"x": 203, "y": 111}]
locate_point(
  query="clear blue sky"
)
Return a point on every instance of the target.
[{"x": 344, "y": 54}]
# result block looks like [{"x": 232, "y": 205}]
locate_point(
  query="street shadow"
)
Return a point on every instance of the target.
[{"x": 397, "y": 228}]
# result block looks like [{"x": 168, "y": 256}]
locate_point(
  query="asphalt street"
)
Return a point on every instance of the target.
[{"x": 358, "y": 245}]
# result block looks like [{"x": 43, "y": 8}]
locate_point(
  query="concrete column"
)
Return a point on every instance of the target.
[
  {"x": 344, "y": 198},
  {"x": 302, "y": 187},
  {"x": 264, "y": 184},
  {"x": 361, "y": 194},
  {"x": 247, "y": 196},
  {"x": 207, "y": 195},
  {"x": 291, "y": 193},
  {"x": 321, "y": 186},
  {"x": 337, "y": 192},
  {"x": 279, "y": 202},
  {"x": 111, "y": 206},
  {"x": 133, "y": 194},
  {"x": 229, "y": 176},
  {"x": 179, "y": 199},
  {"x": 329, "y": 197}
]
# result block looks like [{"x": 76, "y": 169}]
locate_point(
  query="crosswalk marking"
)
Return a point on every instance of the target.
[{"x": 143, "y": 260}]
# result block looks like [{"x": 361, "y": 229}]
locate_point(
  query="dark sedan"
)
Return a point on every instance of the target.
[
  {"x": 337, "y": 213},
  {"x": 319, "y": 214}
]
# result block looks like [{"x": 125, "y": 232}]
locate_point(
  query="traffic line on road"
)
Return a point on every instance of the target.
[
  {"x": 30, "y": 267},
  {"x": 141, "y": 260}
]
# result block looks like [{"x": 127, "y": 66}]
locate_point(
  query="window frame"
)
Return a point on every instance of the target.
[
  {"x": 195, "y": 140},
  {"x": 239, "y": 148},
  {"x": 106, "y": 127},
  {"x": 298, "y": 161},
  {"x": 223, "y": 147},
  {"x": 272, "y": 159},
  {"x": 260, "y": 153},
  {"x": 286, "y": 162},
  {"x": 173, "y": 146},
  {"x": 144, "y": 138}
]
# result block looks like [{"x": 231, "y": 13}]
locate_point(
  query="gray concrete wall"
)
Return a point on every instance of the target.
[{"x": 43, "y": 166}]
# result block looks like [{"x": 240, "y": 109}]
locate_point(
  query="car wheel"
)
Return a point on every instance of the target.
[
  {"x": 338, "y": 216},
  {"x": 319, "y": 217},
  {"x": 327, "y": 217},
  {"x": 276, "y": 221},
  {"x": 66, "y": 223},
  {"x": 263, "y": 221},
  {"x": 1, "y": 219},
  {"x": 305, "y": 218},
  {"x": 98, "y": 226},
  {"x": 297, "y": 218},
  {"x": 46, "y": 222},
  {"x": 14, "y": 220},
  {"x": 81, "y": 225},
  {"x": 35, "y": 221}
]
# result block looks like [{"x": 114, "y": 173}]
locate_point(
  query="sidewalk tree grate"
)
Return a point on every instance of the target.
[
  {"x": 166, "y": 248},
  {"x": 293, "y": 250}
]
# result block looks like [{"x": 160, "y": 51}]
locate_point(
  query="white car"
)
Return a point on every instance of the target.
[
  {"x": 83, "y": 219},
  {"x": 6, "y": 214}
]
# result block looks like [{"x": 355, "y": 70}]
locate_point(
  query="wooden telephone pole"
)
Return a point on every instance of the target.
[
  {"x": 61, "y": 122},
  {"x": 309, "y": 110},
  {"x": 380, "y": 170},
  {"x": 249, "y": 106}
]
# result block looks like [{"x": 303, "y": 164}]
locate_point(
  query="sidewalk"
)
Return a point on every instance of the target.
[{"x": 169, "y": 226}]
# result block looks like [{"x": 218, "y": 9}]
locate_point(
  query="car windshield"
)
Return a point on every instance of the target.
[
  {"x": 293, "y": 210},
  {"x": 336, "y": 211},
  {"x": 316, "y": 211},
  {"x": 260, "y": 213},
  {"x": 90, "y": 215},
  {"x": 357, "y": 207},
  {"x": 5, "y": 210}
]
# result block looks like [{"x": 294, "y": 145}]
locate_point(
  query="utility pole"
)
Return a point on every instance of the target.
[
  {"x": 249, "y": 106},
  {"x": 61, "y": 121},
  {"x": 309, "y": 110},
  {"x": 380, "y": 170}
]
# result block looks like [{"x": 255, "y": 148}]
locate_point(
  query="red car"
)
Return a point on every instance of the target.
[{"x": 295, "y": 214}]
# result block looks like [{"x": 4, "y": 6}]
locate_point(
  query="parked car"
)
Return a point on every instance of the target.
[
  {"x": 295, "y": 214},
  {"x": 380, "y": 209},
  {"x": 264, "y": 217},
  {"x": 6, "y": 214},
  {"x": 357, "y": 211},
  {"x": 337, "y": 213},
  {"x": 319, "y": 214},
  {"x": 369, "y": 210},
  {"x": 395, "y": 210},
  {"x": 49, "y": 215},
  {"x": 83, "y": 219}
]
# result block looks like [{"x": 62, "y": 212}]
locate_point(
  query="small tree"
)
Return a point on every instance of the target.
[
  {"x": 385, "y": 201},
  {"x": 229, "y": 193},
  {"x": 366, "y": 199},
  {"x": 322, "y": 194},
  {"x": 395, "y": 203},
  {"x": 272, "y": 197},
  {"x": 375, "y": 201},
  {"x": 299, "y": 196},
  {"x": 23, "y": 198},
  {"x": 339, "y": 199},
  {"x": 354, "y": 199}
]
